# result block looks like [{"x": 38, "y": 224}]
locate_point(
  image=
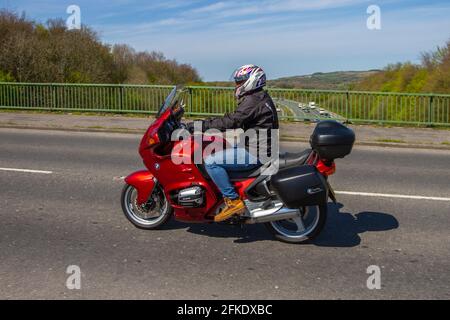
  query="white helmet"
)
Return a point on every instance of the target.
[{"x": 249, "y": 78}]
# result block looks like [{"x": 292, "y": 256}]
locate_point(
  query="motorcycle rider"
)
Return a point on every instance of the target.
[{"x": 255, "y": 110}]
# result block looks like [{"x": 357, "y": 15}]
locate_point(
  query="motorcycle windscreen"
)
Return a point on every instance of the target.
[{"x": 300, "y": 186}]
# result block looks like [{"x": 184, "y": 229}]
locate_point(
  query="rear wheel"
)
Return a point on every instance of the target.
[
  {"x": 152, "y": 215},
  {"x": 301, "y": 229}
]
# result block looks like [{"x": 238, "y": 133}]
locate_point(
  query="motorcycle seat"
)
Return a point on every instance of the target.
[
  {"x": 243, "y": 175},
  {"x": 293, "y": 159},
  {"x": 285, "y": 160},
  {"x": 234, "y": 175}
]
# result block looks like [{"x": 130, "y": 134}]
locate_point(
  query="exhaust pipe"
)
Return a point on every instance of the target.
[{"x": 282, "y": 214}]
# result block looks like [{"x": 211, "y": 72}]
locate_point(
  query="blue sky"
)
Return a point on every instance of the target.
[{"x": 285, "y": 37}]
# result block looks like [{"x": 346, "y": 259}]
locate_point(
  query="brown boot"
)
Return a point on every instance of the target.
[{"x": 233, "y": 207}]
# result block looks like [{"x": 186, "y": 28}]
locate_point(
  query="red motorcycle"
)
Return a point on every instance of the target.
[{"x": 292, "y": 203}]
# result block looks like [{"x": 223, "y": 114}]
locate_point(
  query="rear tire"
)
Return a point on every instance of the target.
[
  {"x": 282, "y": 233},
  {"x": 155, "y": 216}
]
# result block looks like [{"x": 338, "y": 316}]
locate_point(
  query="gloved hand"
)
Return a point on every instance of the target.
[
  {"x": 190, "y": 127},
  {"x": 183, "y": 126}
]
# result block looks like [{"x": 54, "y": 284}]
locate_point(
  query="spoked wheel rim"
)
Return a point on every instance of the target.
[
  {"x": 149, "y": 214},
  {"x": 301, "y": 226}
]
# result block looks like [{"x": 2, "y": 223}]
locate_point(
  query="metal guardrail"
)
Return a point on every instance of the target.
[
  {"x": 355, "y": 106},
  {"x": 83, "y": 97}
]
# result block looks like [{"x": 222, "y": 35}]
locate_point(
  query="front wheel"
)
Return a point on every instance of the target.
[
  {"x": 301, "y": 229},
  {"x": 152, "y": 215}
]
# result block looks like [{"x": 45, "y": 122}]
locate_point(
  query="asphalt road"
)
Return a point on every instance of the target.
[
  {"x": 296, "y": 111},
  {"x": 300, "y": 114},
  {"x": 73, "y": 217}
]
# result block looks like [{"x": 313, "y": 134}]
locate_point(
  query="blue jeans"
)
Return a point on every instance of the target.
[{"x": 235, "y": 160}]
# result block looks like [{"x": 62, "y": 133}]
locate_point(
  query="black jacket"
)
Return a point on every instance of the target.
[{"x": 255, "y": 111}]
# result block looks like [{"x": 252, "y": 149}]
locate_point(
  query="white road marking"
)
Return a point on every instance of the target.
[
  {"x": 351, "y": 193},
  {"x": 26, "y": 170},
  {"x": 398, "y": 196}
]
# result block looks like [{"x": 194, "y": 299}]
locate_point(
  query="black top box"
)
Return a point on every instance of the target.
[{"x": 332, "y": 140}]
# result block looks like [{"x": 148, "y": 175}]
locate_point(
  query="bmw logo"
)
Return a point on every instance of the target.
[{"x": 157, "y": 166}]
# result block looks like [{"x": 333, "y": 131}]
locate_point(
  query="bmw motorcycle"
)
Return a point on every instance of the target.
[{"x": 292, "y": 203}]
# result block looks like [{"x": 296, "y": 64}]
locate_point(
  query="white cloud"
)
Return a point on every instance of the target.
[
  {"x": 299, "y": 46},
  {"x": 210, "y": 8},
  {"x": 267, "y": 7}
]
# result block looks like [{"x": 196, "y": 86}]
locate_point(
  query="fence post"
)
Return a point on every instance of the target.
[
  {"x": 53, "y": 104},
  {"x": 2, "y": 95},
  {"x": 121, "y": 98},
  {"x": 430, "y": 110},
  {"x": 189, "y": 106},
  {"x": 347, "y": 98}
]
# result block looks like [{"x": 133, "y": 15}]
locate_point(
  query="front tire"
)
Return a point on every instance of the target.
[
  {"x": 303, "y": 229},
  {"x": 150, "y": 216}
]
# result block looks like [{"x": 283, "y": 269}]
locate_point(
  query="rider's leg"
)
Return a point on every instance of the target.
[{"x": 218, "y": 165}]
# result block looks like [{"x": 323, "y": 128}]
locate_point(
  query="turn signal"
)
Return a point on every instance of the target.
[
  {"x": 153, "y": 139},
  {"x": 327, "y": 169}
]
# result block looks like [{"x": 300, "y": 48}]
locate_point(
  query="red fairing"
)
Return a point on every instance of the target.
[
  {"x": 144, "y": 183},
  {"x": 241, "y": 186},
  {"x": 152, "y": 131}
]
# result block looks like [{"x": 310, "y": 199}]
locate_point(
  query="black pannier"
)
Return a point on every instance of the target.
[
  {"x": 332, "y": 140},
  {"x": 300, "y": 186}
]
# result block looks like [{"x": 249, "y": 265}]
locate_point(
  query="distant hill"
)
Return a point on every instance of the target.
[{"x": 339, "y": 80}]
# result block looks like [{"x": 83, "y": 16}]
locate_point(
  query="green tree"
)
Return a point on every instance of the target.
[
  {"x": 431, "y": 75},
  {"x": 34, "y": 52}
]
